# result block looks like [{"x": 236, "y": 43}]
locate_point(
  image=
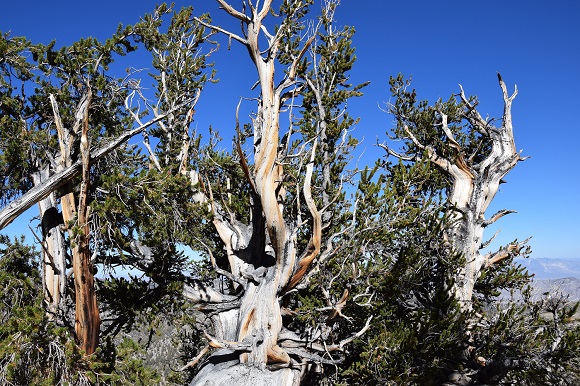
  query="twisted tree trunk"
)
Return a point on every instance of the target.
[
  {"x": 473, "y": 187},
  {"x": 263, "y": 255}
]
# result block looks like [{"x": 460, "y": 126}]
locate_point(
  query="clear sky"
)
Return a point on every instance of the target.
[{"x": 532, "y": 43}]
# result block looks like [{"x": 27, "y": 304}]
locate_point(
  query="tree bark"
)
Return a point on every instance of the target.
[
  {"x": 87, "y": 318},
  {"x": 262, "y": 255},
  {"x": 224, "y": 369},
  {"x": 53, "y": 248},
  {"x": 473, "y": 190}
]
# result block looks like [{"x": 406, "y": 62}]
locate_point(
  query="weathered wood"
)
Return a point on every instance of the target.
[
  {"x": 473, "y": 187},
  {"x": 259, "y": 319},
  {"x": 264, "y": 256},
  {"x": 53, "y": 249},
  {"x": 473, "y": 190},
  {"x": 87, "y": 317},
  {"x": 224, "y": 369},
  {"x": 63, "y": 177}
]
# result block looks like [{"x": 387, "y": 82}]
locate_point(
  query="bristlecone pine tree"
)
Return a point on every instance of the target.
[
  {"x": 294, "y": 283},
  {"x": 469, "y": 157},
  {"x": 474, "y": 156},
  {"x": 55, "y": 128},
  {"x": 59, "y": 143},
  {"x": 271, "y": 210}
]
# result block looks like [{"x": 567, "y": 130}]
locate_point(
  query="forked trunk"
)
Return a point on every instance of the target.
[
  {"x": 87, "y": 318},
  {"x": 254, "y": 328},
  {"x": 474, "y": 187}
]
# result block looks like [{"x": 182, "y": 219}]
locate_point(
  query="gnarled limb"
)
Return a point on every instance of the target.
[
  {"x": 512, "y": 249},
  {"x": 197, "y": 292},
  {"x": 313, "y": 248},
  {"x": 497, "y": 216},
  {"x": 264, "y": 252}
]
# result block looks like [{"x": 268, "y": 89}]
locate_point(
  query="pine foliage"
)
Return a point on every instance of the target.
[{"x": 179, "y": 221}]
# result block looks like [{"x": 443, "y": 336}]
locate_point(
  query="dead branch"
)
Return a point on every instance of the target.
[
  {"x": 486, "y": 243},
  {"x": 460, "y": 157},
  {"x": 296, "y": 61},
  {"x": 497, "y": 216},
  {"x": 195, "y": 360},
  {"x": 311, "y": 356},
  {"x": 313, "y": 248},
  {"x": 358, "y": 334},
  {"x": 473, "y": 116},
  {"x": 59, "y": 179},
  {"x": 513, "y": 249},
  {"x": 46, "y": 251},
  {"x": 396, "y": 154},
  {"x": 217, "y": 343},
  {"x": 338, "y": 306},
  {"x": 233, "y": 12},
  {"x": 221, "y": 30},
  {"x": 218, "y": 270},
  {"x": 198, "y": 292}
]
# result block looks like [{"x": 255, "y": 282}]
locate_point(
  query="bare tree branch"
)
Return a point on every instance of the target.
[
  {"x": 58, "y": 180},
  {"x": 195, "y": 360},
  {"x": 225, "y": 32},
  {"x": 513, "y": 249},
  {"x": 398, "y": 155},
  {"x": 497, "y": 216},
  {"x": 313, "y": 247},
  {"x": 233, "y": 12}
]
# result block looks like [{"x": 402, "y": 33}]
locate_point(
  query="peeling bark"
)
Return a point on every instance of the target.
[
  {"x": 87, "y": 317},
  {"x": 259, "y": 318}
]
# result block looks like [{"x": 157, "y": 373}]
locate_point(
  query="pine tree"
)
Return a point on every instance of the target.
[
  {"x": 292, "y": 280},
  {"x": 259, "y": 218},
  {"x": 466, "y": 158},
  {"x": 65, "y": 128}
]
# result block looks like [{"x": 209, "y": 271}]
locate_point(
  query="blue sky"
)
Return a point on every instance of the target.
[{"x": 534, "y": 44}]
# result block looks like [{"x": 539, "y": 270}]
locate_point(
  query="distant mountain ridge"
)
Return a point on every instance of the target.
[
  {"x": 552, "y": 276},
  {"x": 548, "y": 268}
]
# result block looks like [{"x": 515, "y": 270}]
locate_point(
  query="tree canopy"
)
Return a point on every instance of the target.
[{"x": 278, "y": 259}]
